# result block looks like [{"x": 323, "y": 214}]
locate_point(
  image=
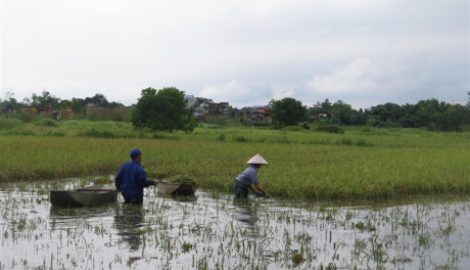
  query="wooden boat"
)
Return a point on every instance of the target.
[
  {"x": 90, "y": 196},
  {"x": 175, "y": 189}
]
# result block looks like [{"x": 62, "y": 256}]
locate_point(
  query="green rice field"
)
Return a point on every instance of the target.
[{"x": 362, "y": 163}]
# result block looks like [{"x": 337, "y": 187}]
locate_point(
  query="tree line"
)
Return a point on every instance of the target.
[
  {"x": 46, "y": 104},
  {"x": 430, "y": 114},
  {"x": 166, "y": 109}
]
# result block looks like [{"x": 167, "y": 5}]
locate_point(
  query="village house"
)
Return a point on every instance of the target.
[
  {"x": 211, "y": 108},
  {"x": 257, "y": 115},
  {"x": 222, "y": 108}
]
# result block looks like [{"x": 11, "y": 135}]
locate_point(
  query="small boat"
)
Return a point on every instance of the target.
[
  {"x": 89, "y": 196},
  {"x": 175, "y": 189}
]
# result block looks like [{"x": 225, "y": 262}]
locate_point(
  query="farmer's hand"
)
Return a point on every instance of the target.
[{"x": 262, "y": 194}]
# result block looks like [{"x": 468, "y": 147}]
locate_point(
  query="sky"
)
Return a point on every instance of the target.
[{"x": 363, "y": 52}]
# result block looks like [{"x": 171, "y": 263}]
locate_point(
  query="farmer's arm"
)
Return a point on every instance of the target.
[
  {"x": 258, "y": 189},
  {"x": 142, "y": 179},
  {"x": 256, "y": 186},
  {"x": 118, "y": 179}
]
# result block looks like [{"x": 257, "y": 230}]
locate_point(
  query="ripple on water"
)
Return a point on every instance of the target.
[{"x": 216, "y": 232}]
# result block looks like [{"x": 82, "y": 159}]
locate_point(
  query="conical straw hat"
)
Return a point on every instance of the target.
[{"x": 257, "y": 159}]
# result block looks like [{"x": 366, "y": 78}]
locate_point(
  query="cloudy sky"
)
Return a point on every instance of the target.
[{"x": 363, "y": 52}]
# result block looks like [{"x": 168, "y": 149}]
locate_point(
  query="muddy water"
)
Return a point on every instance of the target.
[{"x": 214, "y": 232}]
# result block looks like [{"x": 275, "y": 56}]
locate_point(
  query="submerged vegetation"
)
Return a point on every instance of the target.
[
  {"x": 215, "y": 232},
  {"x": 362, "y": 163}
]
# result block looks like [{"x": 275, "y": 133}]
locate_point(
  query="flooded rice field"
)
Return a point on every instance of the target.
[{"x": 212, "y": 231}]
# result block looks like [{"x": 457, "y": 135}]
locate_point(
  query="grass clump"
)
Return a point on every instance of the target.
[
  {"x": 186, "y": 247},
  {"x": 47, "y": 122},
  {"x": 221, "y": 137},
  {"x": 241, "y": 139},
  {"x": 98, "y": 133},
  {"x": 159, "y": 136},
  {"x": 297, "y": 258},
  {"x": 55, "y": 133},
  {"x": 330, "y": 129},
  {"x": 10, "y": 123},
  {"x": 293, "y": 128}
]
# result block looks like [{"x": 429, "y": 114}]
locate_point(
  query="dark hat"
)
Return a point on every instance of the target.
[{"x": 135, "y": 152}]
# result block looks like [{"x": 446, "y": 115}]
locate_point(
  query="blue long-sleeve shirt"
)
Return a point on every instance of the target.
[
  {"x": 248, "y": 176},
  {"x": 131, "y": 181}
]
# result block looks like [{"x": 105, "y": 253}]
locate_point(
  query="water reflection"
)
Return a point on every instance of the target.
[
  {"x": 78, "y": 217},
  {"x": 216, "y": 232},
  {"x": 246, "y": 212},
  {"x": 129, "y": 223}
]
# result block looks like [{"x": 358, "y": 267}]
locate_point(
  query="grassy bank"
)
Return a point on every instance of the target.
[{"x": 360, "y": 164}]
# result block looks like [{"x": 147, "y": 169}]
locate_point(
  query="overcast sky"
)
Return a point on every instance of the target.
[{"x": 363, "y": 52}]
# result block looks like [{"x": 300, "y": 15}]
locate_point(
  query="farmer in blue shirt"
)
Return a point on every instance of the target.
[
  {"x": 132, "y": 179},
  {"x": 248, "y": 179}
]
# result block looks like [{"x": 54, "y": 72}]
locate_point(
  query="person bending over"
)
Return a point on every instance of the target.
[{"x": 248, "y": 179}]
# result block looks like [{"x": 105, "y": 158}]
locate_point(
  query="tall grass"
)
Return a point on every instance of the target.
[{"x": 408, "y": 163}]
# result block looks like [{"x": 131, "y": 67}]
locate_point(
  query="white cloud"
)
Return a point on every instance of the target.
[
  {"x": 360, "y": 76},
  {"x": 275, "y": 48}
]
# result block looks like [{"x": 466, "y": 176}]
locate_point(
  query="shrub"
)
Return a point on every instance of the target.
[
  {"x": 55, "y": 133},
  {"x": 211, "y": 126},
  {"x": 25, "y": 117},
  {"x": 293, "y": 128},
  {"x": 215, "y": 119},
  {"x": 158, "y": 136},
  {"x": 9, "y": 123},
  {"x": 240, "y": 139},
  {"x": 120, "y": 114},
  {"x": 20, "y": 132},
  {"x": 97, "y": 134},
  {"x": 282, "y": 140},
  {"x": 363, "y": 143},
  {"x": 330, "y": 129},
  {"x": 345, "y": 142},
  {"x": 47, "y": 122},
  {"x": 221, "y": 138}
]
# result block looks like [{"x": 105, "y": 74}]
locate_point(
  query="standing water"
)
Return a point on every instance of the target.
[{"x": 214, "y": 232}]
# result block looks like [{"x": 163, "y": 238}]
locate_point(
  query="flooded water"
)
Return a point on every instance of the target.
[{"x": 214, "y": 232}]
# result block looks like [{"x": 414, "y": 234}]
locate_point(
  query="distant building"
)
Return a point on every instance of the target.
[
  {"x": 258, "y": 115},
  {"x": 29, "y": 110},
  {"x": 201, "y": 111},
  {"x": 222, "y": 108},
  {"x": 91, "y": 108},
  {"x": 67, "y": 113},
  {"x": 56, "y": 115},
  {"x": 204, "y": 107}
]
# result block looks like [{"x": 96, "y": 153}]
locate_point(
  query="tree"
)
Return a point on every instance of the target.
[
  {"x": 9, "y": 104},
  {"x": 287, "y": 111},
  {"x": 453, "y": 119},
  {"x": 343, "y": 114},
  {"x": 164, "y": 109},
  {"x": 385, "y": 114},
  {"x": 98, "y": 99},
  {"x": 44, "y": 102},
  {"x": 326, "y": 107},
  {"x": 78, "y": 105}
]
